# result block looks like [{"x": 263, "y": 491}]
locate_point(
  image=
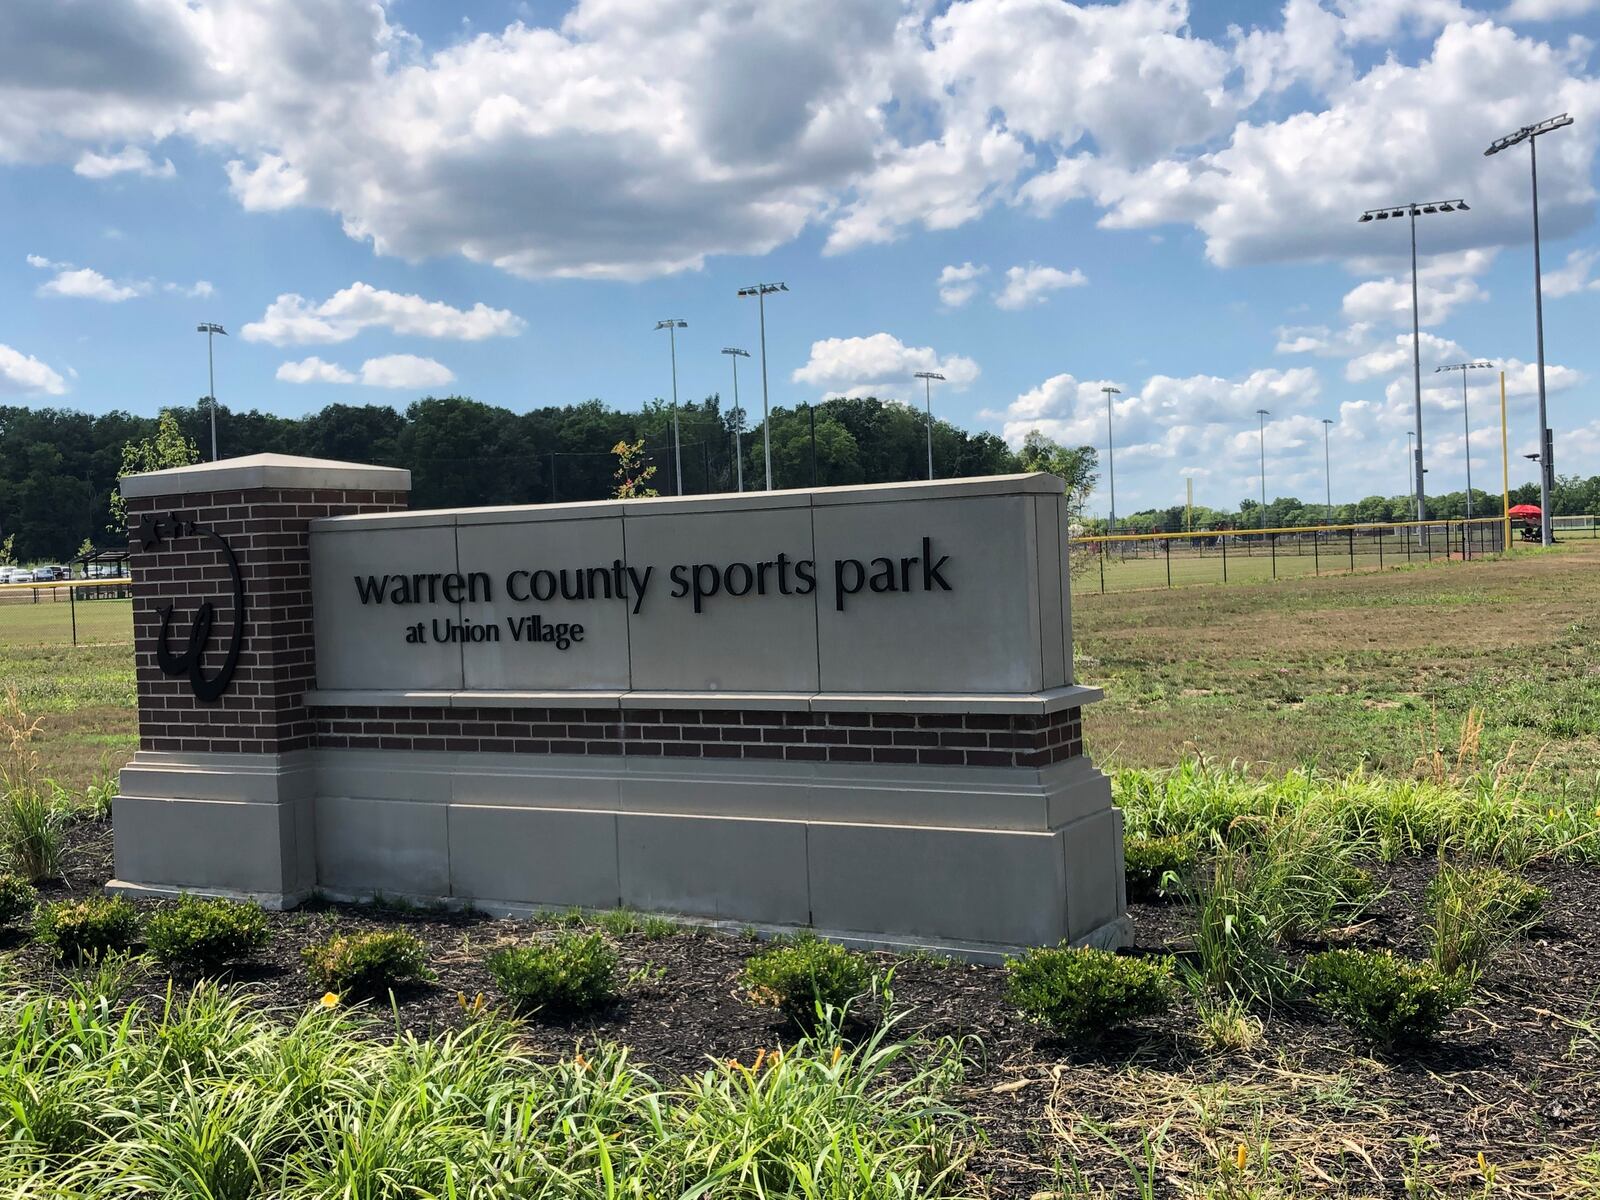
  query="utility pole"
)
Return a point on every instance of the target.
[
  {"x": 672, "y": 325},
  {"x": 761, "y": 291},
  {"x": 1531, "y": 134},
  {"x": 210, "y": 328},
  {"x": 1466, "y": 419},
  {"x": 1111, "y": 459},
  {"x": 1327, "y": 469},
  {"x": 927, "y": 378},
  {"x": 1412, "y": 211},
  {"x": 1261, "y": 421},
  {"x": 735, "y": 354}
]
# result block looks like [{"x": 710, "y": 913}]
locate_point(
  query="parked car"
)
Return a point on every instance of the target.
[{"x": 44, "y": 574}]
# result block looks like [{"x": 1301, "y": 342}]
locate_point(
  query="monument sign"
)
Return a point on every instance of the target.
[{"x": 849, "y": 709}]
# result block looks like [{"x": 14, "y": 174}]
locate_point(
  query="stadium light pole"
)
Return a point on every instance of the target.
[
  {"x": 1261, "y": 421},
  {"x": 761, "y": 291},
  {"x": 672, "y": 325},
  {"x": 1411, "y": 462},
  {"x": 1327, "y": 468},
  {"x": 1111, "y": 459},
  {"x": 1466, "y": 420},
  {"x": 927, "y": 378},
  {"x": 1412, "y": 211},
  {"x": 210, "y": 328},
  {"x": 734, "y": 355},
  {"x": 1530, "y": 134}
]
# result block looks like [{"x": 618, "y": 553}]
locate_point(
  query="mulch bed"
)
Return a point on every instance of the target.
[{"x": 1516, "y": 1075}]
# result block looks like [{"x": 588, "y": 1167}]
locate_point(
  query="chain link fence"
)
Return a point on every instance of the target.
[
  {"x": 1133, "y": 562},
  {"x": 84, "y": 612}
]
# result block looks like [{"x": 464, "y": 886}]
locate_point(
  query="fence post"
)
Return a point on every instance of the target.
[
  {"x": 1224, "y": 540},
  {"x": 1168, "y": 543},
  {"x": 1272, "y": 545},
  {"x": 1352, "y": 549},
  {"x": 1102, "y": 568},
  {"x": 72, "y": 603},
  {"x": 1316, "y": 554},
  {"x": 1380, "y": 549}
]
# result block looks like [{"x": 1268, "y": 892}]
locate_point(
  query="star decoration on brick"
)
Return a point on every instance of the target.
[{"x": 149, "y": 530}]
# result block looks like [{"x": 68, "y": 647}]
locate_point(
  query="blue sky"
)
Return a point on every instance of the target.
[{"x": 500, "y": 200}]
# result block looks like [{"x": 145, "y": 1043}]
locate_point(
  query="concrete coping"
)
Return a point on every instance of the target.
[
  {"x": 1016, "y": 703},
  {"x": 266, "y": 471},
  {"x": 1037, "y": 483}
]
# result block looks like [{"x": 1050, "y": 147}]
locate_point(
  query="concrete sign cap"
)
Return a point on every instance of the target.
[{"x": 266, "y": 471}]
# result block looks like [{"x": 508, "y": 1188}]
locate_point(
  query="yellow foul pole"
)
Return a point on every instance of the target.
[{"x": 1505, "y": 470}]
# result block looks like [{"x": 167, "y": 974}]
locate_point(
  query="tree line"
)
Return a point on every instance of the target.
[
  {"x": 1573, "y": 496},
  {"x": 58, "y": 468}
]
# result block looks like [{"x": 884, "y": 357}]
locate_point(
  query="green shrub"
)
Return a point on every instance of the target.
[
  {"x": 1474, "y": 912},
  {"x": 17, "y": 898},
  {"x": 81, "y": 929},
  {"x": 574, "y": 973},
  {"x": 1387, "y": 999},
  {"x": 367, "y": 964},
  {"x": 1157, "y": 867},
  {"x": 803, "y": 974},
  {"x": 206, "y": 933},
  {"x": 1083, "y": 993}
]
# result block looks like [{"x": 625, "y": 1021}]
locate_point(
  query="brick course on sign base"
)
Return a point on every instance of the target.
[
  {"x": 268, "y": 529},
  {"x": 928, "y": 739}
]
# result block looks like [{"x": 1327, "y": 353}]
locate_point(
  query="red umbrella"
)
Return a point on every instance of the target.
[{"x": 1525, "y": 510}]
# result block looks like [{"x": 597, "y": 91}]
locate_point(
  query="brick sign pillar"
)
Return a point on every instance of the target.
[{"x": 219, "y": 795}]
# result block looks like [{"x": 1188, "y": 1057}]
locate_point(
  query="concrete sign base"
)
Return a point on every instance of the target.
[{"x": 891, "y": 756}]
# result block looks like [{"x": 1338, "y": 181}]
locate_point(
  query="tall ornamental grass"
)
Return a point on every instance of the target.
[
  {"x": 1488, "y": 813},
  {"x": 208, "y": 1097}
]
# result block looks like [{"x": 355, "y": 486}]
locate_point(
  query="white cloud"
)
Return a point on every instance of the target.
[
  {"x": 293, "y": 320},
  {"x": 1443, "y": 284},
  {"x": 22, "y": 374},
  {"x": 313, "y": 370},
  {"x": 627, "y": 141},
  {"x": 84, "y": 283},
  {"x": 388, "y": 371},
  {"x": 405, "y": 371},
  {"x": 1577, "y": 275},
  {"x": 957, "y": 285},
  {"x": 1033, "y": 284},
  {"x": 880, "y": 365},
  {"x": 1548, "y": 10},
  {"x": 1387, "y": 360},
  {"x": 130, "y": 158}
]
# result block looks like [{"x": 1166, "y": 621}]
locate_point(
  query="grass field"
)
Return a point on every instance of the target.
[
  {"x": 1375, "y": 669},
  {"x": 1343, "y": 671}
]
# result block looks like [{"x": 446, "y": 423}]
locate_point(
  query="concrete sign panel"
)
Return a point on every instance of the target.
[{"x": 845, "y": 709}]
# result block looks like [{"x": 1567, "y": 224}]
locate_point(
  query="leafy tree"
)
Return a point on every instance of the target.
[
  {"x": 1077, "y": 466},
  {"x": 633, "y": 477},
  {"x": 168, "y": 448}
]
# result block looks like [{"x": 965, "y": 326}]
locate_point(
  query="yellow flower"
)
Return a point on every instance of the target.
[
  {"x": 329, "y": 1000},
  {"x": 1241, "y": 1156}
]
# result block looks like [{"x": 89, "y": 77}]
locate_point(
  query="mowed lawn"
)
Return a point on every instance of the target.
[
  {"x": 82, "y": 694},
  {"x": 1377, "y": 669}
]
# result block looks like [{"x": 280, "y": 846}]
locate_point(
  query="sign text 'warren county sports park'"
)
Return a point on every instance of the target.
[{"x": 698, "y": 583}]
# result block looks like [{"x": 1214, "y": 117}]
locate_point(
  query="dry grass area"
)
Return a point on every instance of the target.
[{"x": 1378, "y": 669}]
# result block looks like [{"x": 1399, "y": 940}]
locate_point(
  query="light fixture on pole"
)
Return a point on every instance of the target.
[
  {"x": 1261, "y": 421},
  {"x": 210, "y": 328},
  {"x": 1466, "y": 419},
  {"x": 1412, "y": 211},
  {"x": 761, "y": 291},
  {"x": 927, "y": 378},
  {"x": 1327, "y": 468},
  {"x": 1530, "y": 134},
  {"x": 672, "y": 325},
  {"x": 735, "y": 354},
  {"x": 1111, "y": 459}
]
